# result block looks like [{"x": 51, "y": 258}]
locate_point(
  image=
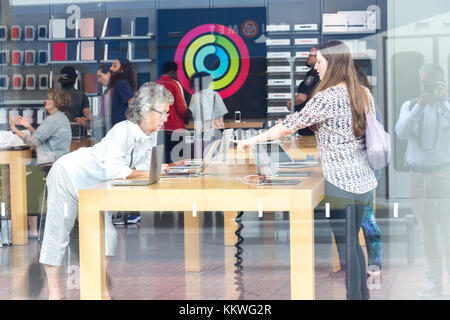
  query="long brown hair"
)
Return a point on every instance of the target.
[
  {"x": 60, "y": 96},
  {"x": 340, "y": 68}
]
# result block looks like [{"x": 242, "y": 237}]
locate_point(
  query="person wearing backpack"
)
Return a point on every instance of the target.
[
  {"x": 425, "y": 123},
  {"x": 338, "y": 108}
]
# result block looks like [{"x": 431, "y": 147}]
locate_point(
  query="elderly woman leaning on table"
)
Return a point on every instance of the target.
[
  {"x": 51, "y": 139},
  {"x": 337, "y": 108},
  {"x": 123, "y": 153}
]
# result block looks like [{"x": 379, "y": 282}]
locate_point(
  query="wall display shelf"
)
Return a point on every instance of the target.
[
  {"x": 278, "y": 110},
  {"x": 282, "y": 85},
  {"x": 311, "y": 27},
  {"x": 72, "y": 62},
  {"x": 279, "y": 82},
  {"x": 348, "y": 32},
  {"x": 129, "y": 37},
  {"x": 55, "y": 45},
  {"x": 131, "y": 60},
  {"x": 356, "y": 28},
  {"x": 141, "y": 60},
  {"x": 21, "y": 102},
  {"x": 271, "y": 69},
  {"x": 278, "y": 55},
  {"x": 71, "y": 39},
  {"x": 278, "y": 96},
  {"x": 306, "y": 41}
]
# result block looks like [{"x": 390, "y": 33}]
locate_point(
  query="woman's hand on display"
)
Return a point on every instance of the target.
[
  {"x": 21, "y": 121},
  {"x": 242, "y": 145},
  {"x": 12, "y": 122}
]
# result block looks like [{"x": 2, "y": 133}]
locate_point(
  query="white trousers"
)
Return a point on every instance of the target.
[{"x": 62, "y": 210}]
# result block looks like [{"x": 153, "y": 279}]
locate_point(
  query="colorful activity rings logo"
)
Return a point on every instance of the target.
[{"x": 215, "y": 49}]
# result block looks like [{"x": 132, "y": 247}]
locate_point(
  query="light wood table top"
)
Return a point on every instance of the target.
[{"x": 218, "y": 190}]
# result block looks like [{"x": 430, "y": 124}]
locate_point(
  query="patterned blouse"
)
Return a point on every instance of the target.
[{"x": 343, "y": 156}]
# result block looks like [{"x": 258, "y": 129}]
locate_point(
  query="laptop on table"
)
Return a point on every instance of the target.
[
  {"x": 221, "y": 154},
  {"x": 225, "y": 145},
  {"x": 265, "y": 168},
  {"x": 181, "y": 172},
  {"x": 274, "y": 172},
  {"x": 283, "y": 160},
  {"x": 155, "y": 171}
]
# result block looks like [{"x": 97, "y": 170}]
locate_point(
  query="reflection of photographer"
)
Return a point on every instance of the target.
[{"x": 425, "y": 123}]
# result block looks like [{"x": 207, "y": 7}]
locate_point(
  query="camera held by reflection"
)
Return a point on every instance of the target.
[{"x": 429, "y": 86}]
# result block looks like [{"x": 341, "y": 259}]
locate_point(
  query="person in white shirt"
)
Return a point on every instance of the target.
[
  {"x": 425, "y": 123},
  {"x": 208, "y": 109},
  {"x": 123, "y": 153},
  {"x": 206, "y": 105}
]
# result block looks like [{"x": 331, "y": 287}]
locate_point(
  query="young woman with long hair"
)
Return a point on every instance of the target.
[
  {"x": 338, "y": 109},
  {"x": 122, "y": 86}
]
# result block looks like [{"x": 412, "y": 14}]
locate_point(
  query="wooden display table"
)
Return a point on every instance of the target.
[
  {"x": 218, "y": 191},
  {"x": 17, "y": 161}
]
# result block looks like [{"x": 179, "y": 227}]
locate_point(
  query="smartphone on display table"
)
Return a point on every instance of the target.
[{"x": 237, "y": 116}]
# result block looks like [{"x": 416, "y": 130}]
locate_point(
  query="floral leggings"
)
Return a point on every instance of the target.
[{"x": 372, "y": 235}]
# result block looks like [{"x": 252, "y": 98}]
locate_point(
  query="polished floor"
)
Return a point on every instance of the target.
[{"x": 150, "y": 263}]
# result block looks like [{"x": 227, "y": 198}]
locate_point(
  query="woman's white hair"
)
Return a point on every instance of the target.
[{"x": 149, "y": 96}]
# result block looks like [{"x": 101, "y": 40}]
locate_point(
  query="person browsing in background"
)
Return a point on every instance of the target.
[
  {"x": 51, "y": 139},
  {"x": 207, "y": 109},
  {"x": 178, "y": 114},
  {"x": 122, "y": 85},
  {"x": 425, "y": 123},
  {"x": 206, "y": 105},
  {"x": 53, "y": 136},
  {"x": 103, "y": 77},
  {"x": 306, "y": 88},
  {"x": 79, "y": 110},
  {"x": 338, "y": 108},
  {"x": 124, "y": 153}
]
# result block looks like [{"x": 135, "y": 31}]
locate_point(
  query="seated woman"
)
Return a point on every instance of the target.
[
  {"x": 122, "y": 153},
  {"x": 51, "y": 139}
]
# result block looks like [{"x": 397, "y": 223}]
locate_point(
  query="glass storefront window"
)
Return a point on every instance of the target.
[{"x": 235, "y": 70}]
